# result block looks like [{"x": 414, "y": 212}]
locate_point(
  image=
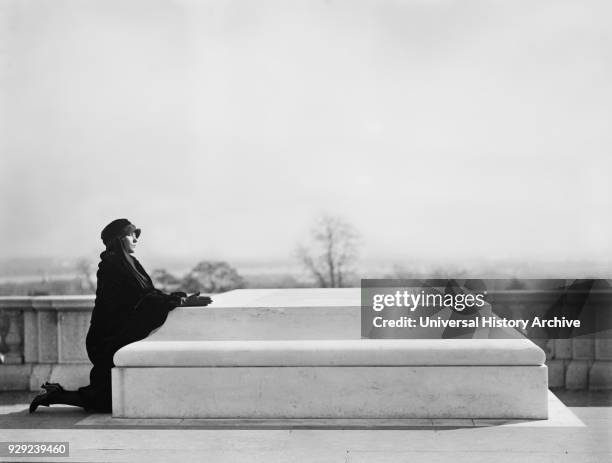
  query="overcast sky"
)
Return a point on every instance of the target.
[{"x": 440, "y": 129}]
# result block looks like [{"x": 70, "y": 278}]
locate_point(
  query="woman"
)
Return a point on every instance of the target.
[{"x": 127, "y": 309}]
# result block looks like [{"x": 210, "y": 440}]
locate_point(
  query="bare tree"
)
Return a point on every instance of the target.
[{"x": 330, "y": 255}]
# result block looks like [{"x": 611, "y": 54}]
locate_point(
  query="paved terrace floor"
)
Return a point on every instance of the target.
[{"x": 580, "y": 431}]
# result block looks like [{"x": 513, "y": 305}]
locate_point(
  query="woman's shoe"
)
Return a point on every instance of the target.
[{"x": 45, "y": 398}]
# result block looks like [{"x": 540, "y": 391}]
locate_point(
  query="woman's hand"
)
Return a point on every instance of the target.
[
  {"x": 195, "y": 300},
  {"x": 187, "y": 300}
]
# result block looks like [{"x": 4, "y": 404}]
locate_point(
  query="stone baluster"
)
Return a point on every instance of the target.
[
  {"x": 600, "y": 375},
  {"x": 558, "y": 365},
  {"x": 577, "y": 373},
  {"x": 4, "y": 329},
  {"x": 601, "y": 371},
  {"x": 583, "y": 356},
  {"x": 13, "y": 339}
]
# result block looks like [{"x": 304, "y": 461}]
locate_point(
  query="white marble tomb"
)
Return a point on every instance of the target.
[{"x": 298, "y": 353}]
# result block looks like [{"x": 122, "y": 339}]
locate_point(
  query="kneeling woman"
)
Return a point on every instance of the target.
[{"x": 127, "y": 309}]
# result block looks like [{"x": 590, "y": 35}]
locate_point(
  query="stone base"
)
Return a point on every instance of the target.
[
  {"x": 15, "y": 377},
  {"x": 514, "y": 392}
]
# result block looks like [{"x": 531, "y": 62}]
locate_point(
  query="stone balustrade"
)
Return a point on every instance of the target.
[
  {"x": 583, "y": 362},
  {"x": 43, "y": 339}
]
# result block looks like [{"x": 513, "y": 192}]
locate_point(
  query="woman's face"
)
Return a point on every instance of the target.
[{"x": 129, "y": 242}]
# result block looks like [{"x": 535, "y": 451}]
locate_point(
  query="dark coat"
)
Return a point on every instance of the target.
[{"x": 124, "y": 312}]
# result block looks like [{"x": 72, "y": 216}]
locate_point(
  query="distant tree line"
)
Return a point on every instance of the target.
[{"x": 205, "y": 277}]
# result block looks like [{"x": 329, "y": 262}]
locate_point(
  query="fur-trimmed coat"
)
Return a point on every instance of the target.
[{"x": 124, "y": 312}]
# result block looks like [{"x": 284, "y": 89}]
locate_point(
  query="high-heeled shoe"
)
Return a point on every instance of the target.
[{"x": 45, "y": 398}]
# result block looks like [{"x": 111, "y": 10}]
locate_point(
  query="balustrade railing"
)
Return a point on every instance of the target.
[{"x": 43, "y": 338}]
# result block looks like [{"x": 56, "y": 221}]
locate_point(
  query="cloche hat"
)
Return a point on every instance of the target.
[{"x": 118, "y": 228}]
